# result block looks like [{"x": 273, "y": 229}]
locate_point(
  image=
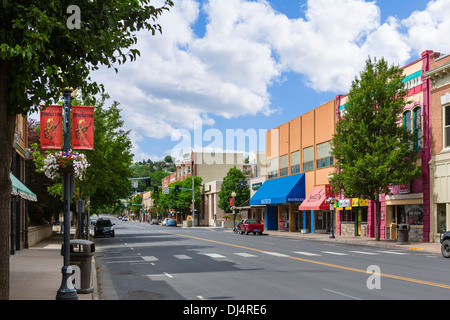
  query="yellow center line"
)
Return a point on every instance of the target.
[{"x": 428, "y": 283}]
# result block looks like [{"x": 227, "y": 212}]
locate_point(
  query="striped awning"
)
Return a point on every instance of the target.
[{"x": 21, "y": 190}]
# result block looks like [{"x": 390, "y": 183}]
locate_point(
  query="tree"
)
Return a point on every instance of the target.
[
  {"x": 44, "y": 49},
  {"x": 233, "y": 181},
  {"x": 372, "y": 151}
]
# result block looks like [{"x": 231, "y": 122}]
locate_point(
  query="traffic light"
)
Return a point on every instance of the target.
[
  {"x": 177, "y": 188},
  {"x": 155, "y": 189},
  {"x": 148, "y": 182}
]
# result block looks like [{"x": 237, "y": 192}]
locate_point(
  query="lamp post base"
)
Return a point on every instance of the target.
[{"x": 66, "y": 291}]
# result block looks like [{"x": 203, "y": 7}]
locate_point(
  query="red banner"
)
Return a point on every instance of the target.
[
  {"x": 51, "y": 127},
  {"x": 82, "y": 128}
]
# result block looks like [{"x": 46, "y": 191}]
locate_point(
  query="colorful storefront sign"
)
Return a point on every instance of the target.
[{"x": 347, "y": 204}]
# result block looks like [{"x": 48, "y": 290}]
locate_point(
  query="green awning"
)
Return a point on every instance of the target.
[{"x": 19, "y": 189}]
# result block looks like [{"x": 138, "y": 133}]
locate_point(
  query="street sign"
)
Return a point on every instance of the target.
[{"x": 166, "y": 190}]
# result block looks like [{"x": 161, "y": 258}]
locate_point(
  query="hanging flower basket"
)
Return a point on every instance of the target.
[{"x": 56, "y": 164}]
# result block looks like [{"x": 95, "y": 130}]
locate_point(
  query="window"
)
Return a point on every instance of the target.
[
  {"x": 272, "y": 168},
  {"x": 447, "y": 127},
  {"x": 441, "y": 217},
  {"x": 284, "y": 165},
  {"x": 417, "y": 128},
  {"x": 324, "y": 158},
  {"x": 308, "y": 159},
  {"x": 295, "y": 162}
]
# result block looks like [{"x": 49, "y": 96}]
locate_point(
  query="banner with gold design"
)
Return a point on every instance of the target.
[
  {"x": 51, "y": 127},
  {"x": 82, "y": 128}
]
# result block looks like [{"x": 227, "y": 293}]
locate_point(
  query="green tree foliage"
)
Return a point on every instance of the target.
[
  {"x": 233, "y": 182},
  {"x": 179, "y": 201},
  {"x": 41, "y": 53},
  {"x": 371, "y": 148}
]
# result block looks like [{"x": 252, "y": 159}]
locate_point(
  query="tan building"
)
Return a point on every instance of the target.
[
  {"x": 298, "y": 159},
  {"x": 439, "y": 75}
]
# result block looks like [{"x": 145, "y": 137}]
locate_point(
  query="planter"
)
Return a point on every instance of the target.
[{"x": 67, "y": 169}]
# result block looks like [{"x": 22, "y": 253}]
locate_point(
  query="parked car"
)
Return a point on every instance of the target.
[
  {"x": 251, "y": 225},
  {"x": 164, "y": 221},
  {"x": 154, "y": 221},
  {"x": 171, "y": 222},
  {"x": 104, "y": 227},
  {"x": 445, "y": 244},
  {"x": 124, "y": 219}
]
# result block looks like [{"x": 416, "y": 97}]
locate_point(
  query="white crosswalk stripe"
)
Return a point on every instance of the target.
[
  {"x": 214, "y": 255},
  {"x": 307, "y": 253},
  {"x": 336, "y": 253},
  {"x": 149, "y": 258},
  {"x": 245, "y": 255},
  {"x": 365, "y": 252},
  {"x": 182, "y": 257},
  {"x": 394, "y": 252}
]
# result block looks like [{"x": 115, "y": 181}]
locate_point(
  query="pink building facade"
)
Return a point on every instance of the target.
[{"x": 408, "y": 203}]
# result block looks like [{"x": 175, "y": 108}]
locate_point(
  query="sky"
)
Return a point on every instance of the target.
[{"x": 223, "y": 72}]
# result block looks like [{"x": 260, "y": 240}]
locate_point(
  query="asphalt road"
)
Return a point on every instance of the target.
[{"x": 150, "y": 262}]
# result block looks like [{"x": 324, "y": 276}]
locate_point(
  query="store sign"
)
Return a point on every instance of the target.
[
  {"x": 256, "y": 186},
  {"x": 404, "y": 187}
]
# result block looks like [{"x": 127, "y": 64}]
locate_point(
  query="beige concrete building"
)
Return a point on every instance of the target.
[{"x": 439, "y": 74}]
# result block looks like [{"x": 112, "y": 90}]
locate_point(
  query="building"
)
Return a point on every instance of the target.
[
  {"x": 212, "y": 168},
  {"x": 408, "y": 203},
  {"x": 20, "y": 194},
  {"x": 439, "y": 75},
  {"x": 298, "y": 165}
]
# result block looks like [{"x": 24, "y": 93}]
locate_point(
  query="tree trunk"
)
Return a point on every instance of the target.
[
  {"x": 7, "y": 127},
  {"x": 377, "y": 219}
]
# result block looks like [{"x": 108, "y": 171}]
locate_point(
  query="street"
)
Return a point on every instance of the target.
[{"x": 152, "y": 262}]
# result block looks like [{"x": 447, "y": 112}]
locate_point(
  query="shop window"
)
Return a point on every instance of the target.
[
  {"x": 324, "y": 158},
  {"x": 272, "y": 168},
  {"x": 308, "y": 159},
  {"x": 417, "y": 128},
  {"x": 284, "y": 165},
  {"x": 295, "y": 162},
  {"x": 447, "y": 127},
  {"x": 441, "y": 217}
]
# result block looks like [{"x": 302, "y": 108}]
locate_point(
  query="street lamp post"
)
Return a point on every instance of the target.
[{"x": 67, "y": 290}]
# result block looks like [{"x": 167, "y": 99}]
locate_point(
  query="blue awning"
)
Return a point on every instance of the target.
[{"x": 281, "y": 190}]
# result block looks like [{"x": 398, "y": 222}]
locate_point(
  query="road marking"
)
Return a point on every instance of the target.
[
  {"x": 335, "y": 253},
  {"x": 428, "y": 283},
  {"x": 342, "y": 294},
  {"x": 168, "y": 275},
  {"x": 182, "y": 256},
  {"x": 201, "y": 298},
  {"x": 394, "y": 252},
  {"x": 366, "y": 252},
  {"x": 214, "y": 255},
  {"x": 276, "y": 254},
  {"x": 245, "y": 255},
  {"x": 149, "y": 258},
  {"x": 307, "y": 253}
]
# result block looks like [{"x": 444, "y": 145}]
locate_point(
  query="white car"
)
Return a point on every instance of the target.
[
  {"x": 164, "y": 221},
  {"x": 124, "y": 219}
]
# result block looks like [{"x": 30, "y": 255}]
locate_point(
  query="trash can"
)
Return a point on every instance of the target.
[
  {"x": 403, "y": 233},
  {"x": 81, "y": 252}
]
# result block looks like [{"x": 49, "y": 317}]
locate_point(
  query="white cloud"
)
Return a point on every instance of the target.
[{"x": 181, "y": 79}]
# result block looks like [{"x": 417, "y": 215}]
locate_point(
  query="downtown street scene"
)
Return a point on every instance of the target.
[{"x": 225, "y": 158}]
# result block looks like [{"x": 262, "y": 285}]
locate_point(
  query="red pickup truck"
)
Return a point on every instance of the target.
[{"x": 251, "y": 225}]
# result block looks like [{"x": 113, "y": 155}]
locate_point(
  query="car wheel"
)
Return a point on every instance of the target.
[
  {"x": 445, "y": 248},
  {"x": 260, "y": 233},
  {"x": 246, "y": 231},
  {"x": 254, "y": 233}
]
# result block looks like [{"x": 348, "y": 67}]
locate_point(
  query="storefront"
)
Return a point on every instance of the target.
[
  {"x": 315, "y": 211},
  {"x": 405, "y": 209},
  {"x": 281, "y": 196},
  {"x": 351, "y": 217}
]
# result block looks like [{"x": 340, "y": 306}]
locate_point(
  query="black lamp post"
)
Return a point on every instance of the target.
[{"x": 67, "y": 290}]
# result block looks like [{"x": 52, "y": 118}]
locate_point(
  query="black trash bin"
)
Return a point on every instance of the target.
[
  {"x": 81, "y": 252},
  {"x": 403, "y": 233}
]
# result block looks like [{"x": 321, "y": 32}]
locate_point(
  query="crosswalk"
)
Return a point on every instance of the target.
[{"x": 145, "y": 259}]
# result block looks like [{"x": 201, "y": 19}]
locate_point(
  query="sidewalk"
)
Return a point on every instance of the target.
[{"x": 35, "y": 273}]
